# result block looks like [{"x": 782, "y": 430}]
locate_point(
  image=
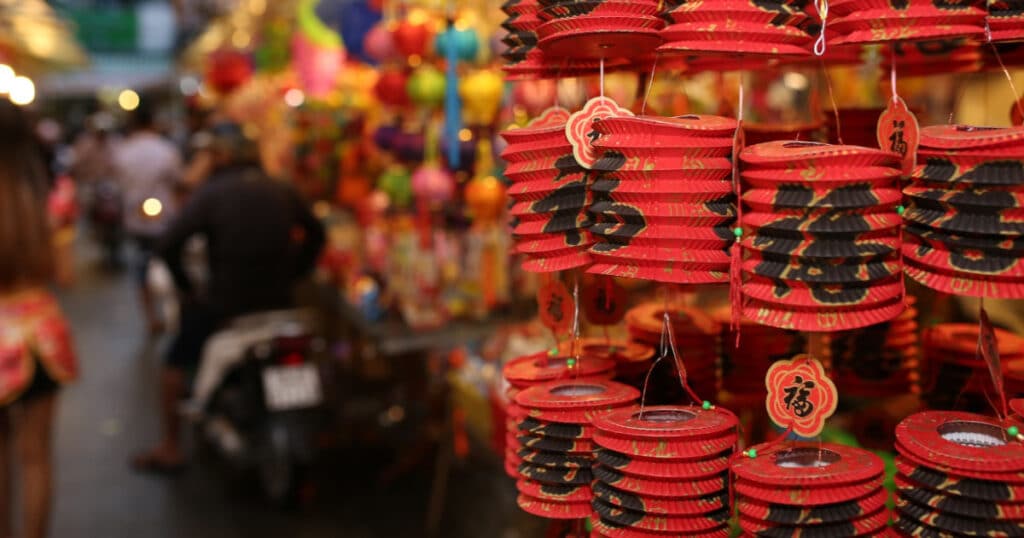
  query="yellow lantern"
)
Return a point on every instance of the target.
[{"x": 481, "y": 93}]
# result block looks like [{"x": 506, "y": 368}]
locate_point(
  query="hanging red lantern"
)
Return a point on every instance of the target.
[
  {"x": 390, "y": 88},
  {"x": 227, "y": 70},
  {"x": 411, "y": 38}
]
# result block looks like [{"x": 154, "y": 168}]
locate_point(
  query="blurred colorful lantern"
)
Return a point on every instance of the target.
[
  {"x": 433, "y": 184},
  {"x": 352, "y": 190},
  {"x": 354, "y": 19},
  {"x": 396, "y": 183},
  {"x": 272, "y": 54},
  {"x": 411, "y": 38},
  {"x": 485, "y": 197},
  {"x": 481, "y": 94},
  {"x": 535, "y": 95},
  {"x": 384, "y": 137},
  {"x": 466, "y": 43},
  {"x": 409, "y": 146},
  {"x": 426, "y": 86},
  {"x": 391, "y": 87},
  {"x": 317, "y": 66},
  {"x": 379, "y": 44},
  {"x": 227, "y": 70}
]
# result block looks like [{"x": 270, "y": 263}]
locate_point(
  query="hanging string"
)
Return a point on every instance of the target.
[
  {"x": 735, "y": 254},
  {"x": 602, "y": 78},
  {"x": 832, "y": 98},
  {"x": 575, "y": 346},
  {"x": 819, "y": 45},
  {"x": 892, "y": 74},
  {"x": 650, "y": 85},
  {"x": 1006, "y": 72}
]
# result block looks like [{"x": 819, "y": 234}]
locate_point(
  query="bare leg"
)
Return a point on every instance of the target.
[
  {"x": 33, "y": 435},
  {"x": 168, "y": 455},
  {"x": 6, "y": 526}
]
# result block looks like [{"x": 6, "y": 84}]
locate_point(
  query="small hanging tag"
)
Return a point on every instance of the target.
[
  {"x": 988, "y": 349},
  {"x": 604, "y": 301},
  {"x": 899, "y": 132},
  {"x": 556, "y": 306},
  {"x": 580, "y": 128},
  {"x": 1017, "y": 112},
  {"x": 800, "y": 395},
  {"x": 551, "y": 117}
]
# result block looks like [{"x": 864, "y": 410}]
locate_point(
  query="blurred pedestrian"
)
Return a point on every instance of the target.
[
  {"x": 261, "y": 238},
  {"x": 149, "y": 168},
  {"x": 92, "y": 167},
  {"x": 36, "y": 354}
]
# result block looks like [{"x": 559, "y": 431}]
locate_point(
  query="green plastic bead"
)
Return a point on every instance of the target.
[
  {"x": 1013, "y": 431},
  {"x": 737, "y": 231},
  {"x": 901, "y": 209},
  {"x": 553, "y": 352},
  {"x": 752, "y": 453},
  {"x": 570, "y": 363},
  {"x": 706, "y": 405}
]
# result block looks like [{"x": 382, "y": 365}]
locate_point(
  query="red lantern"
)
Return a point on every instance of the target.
[
  {"x": 411, "y": 38},
  {"x": 228, "y": 70},
  {"x": 390, "y": 88}
]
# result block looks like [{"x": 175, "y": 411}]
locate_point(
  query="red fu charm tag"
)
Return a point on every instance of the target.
[
  {"x": 580, "y": 128},
  {"x": 800, "y": 395},
  {"x": 556, "y": 306},
  {"x": 604, "y": 301},
  {"x": 899, "y": 132}
]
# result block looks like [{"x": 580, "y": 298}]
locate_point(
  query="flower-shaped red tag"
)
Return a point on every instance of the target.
[
  {"x": 580, "y": 128},
  {"x": 800, "y": 395},
  {"x": 899, "y": 132},
  {"x": 604, "y": 301},
  {"x": 556, "y": 306}
]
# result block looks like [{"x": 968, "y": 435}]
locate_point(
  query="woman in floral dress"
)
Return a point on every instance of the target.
[{"x": 36, "y": 355}]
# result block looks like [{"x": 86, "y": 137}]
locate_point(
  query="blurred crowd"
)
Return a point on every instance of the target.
[{"x": 207, "y": 235}]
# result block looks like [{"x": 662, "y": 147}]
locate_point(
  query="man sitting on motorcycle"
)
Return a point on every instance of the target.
[{"x": 261, "y": 239}]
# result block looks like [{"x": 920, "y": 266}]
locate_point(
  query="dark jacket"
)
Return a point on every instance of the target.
[{"x": 261, "y": 237}]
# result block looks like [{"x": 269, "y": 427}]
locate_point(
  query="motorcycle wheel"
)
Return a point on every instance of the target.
[{"x": 280, "y": 475}]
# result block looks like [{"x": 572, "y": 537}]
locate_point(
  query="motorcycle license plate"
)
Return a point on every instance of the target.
[{"x": 291, "y": 387}]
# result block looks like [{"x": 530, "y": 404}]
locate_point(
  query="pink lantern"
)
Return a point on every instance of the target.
[
  {"x": 379, "y": 44},
  {"x": 317, "y": 66},
  {"x": 433, "y": 184},
  {"x": 535, "y": 95}
]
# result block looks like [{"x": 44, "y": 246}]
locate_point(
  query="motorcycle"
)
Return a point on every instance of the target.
[{"x": 259, "y": 399}]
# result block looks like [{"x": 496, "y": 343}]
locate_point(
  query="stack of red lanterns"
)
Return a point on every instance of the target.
[
  {"x": 880, "y": 360},
  {"x": 953, "y": 374},
  {"x": 662, "y": 471},
  {"x": 524, "y": 59},
  {"x": 529, "y": 370},
  {"x": 820, "y": 236},
  {"x": 663, "y": 198},
  {"x": 697, "y": 339},
  {"x": 959, "y": 474},
  {"x": 877, "y": 21},
  {"x": 1006, "y": 20},
  {"x": 965, "y": 212},
  {"x": 810, "y": 489},
  {"x": 738, "y": 27},
  {"x": 557, "y": 443},
  {"x": 632, "y": 358},
  {"x": 596, "y": 29},
  {"x": 550, "y": 195}
]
